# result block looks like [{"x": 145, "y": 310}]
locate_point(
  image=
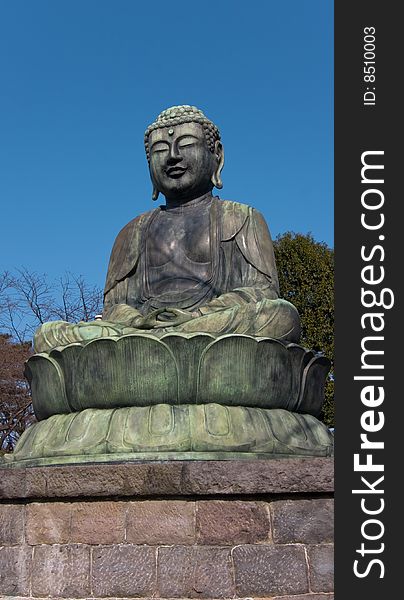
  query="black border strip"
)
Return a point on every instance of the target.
[{"x": 360, "y": 128}]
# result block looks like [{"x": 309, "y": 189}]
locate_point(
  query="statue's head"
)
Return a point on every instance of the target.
[{"x": 184, "y": 152}]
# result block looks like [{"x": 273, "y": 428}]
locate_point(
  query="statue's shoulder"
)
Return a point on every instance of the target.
[
  {"x": 135, "y": 225},
  {"x": 247, "y": 226},
  {"x": 237, "y": 207},
  {"x": 126, "y": 249},
  {"x": 234, "y": 216}
]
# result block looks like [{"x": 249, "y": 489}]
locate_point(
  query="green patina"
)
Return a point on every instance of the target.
[{"x": 168, "y": 432}]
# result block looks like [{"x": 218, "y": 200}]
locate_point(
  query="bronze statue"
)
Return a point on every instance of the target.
[
  {"x": 195, "y": 355},
  {"x": 196, "y": 264}
]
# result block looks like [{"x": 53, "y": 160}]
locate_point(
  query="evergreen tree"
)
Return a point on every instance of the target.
[{"x": 306, "y": 279}]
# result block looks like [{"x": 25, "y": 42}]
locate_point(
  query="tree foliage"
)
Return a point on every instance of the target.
[{"x": 306, "y": 279}]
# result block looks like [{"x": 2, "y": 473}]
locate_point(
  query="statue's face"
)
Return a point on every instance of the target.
[{"x": 181, "y": 164}]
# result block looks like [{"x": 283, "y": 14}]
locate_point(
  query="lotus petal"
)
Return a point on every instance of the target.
[
  {"x": 46, "y": 379},
  {"x": 132, "y": 370},
  {"x": 239, "y": 370}
]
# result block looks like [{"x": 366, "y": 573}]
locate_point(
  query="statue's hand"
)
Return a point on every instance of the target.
[{"x": 166, "y": 317}]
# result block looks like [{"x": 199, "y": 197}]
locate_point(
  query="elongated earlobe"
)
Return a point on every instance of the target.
[
  {"x": 216, "y": 178},
  {"x": 155, "y": 194}
]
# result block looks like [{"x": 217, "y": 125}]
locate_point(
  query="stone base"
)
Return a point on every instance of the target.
[{"x": 233, "y": 529}]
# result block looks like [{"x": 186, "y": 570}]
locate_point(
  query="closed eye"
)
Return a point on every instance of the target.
[
  {"x": 184, "y": 144},
  {"x": 159, "y": 147},
  {"x": 187, "y": 140}
]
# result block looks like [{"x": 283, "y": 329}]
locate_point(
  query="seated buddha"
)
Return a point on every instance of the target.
[
  {"x": 195, "y": 263},
  {"x": 195, "y": 356}
]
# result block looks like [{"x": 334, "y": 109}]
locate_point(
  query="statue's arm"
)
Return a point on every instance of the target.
[
  {"x": 255, "y": 243},
  {"x": 242, "y": 295},
  {"x": 122, "y": 314},
  {"x": 254, "y": 260},
  {"x": 239, "y": 296},
  {"x": 124, "y": 257}
]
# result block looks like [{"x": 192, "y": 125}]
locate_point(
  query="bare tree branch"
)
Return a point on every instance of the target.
[{"x": 28, "y": 299}]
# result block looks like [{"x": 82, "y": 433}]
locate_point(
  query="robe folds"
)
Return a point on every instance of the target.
[{"x": 242, "y": 256}]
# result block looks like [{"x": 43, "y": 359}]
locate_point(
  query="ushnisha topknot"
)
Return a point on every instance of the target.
[{"x": 176, "y": 115}]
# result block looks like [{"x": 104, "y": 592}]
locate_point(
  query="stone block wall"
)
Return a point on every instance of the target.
[{"x": 212, "y": 543}]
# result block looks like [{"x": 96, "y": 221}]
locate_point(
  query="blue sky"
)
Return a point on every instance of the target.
[{"x": 82, "y": 79}]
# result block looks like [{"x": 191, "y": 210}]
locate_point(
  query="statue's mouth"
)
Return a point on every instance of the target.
[{"x": 175, "y": 172}]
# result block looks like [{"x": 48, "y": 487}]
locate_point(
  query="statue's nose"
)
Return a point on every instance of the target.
[{"x": 174, "y": 156}]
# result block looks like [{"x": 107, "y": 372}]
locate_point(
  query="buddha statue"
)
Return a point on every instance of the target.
[
  {"x": 195, "y": 355},
  {"x": 195, "y": 264}
]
